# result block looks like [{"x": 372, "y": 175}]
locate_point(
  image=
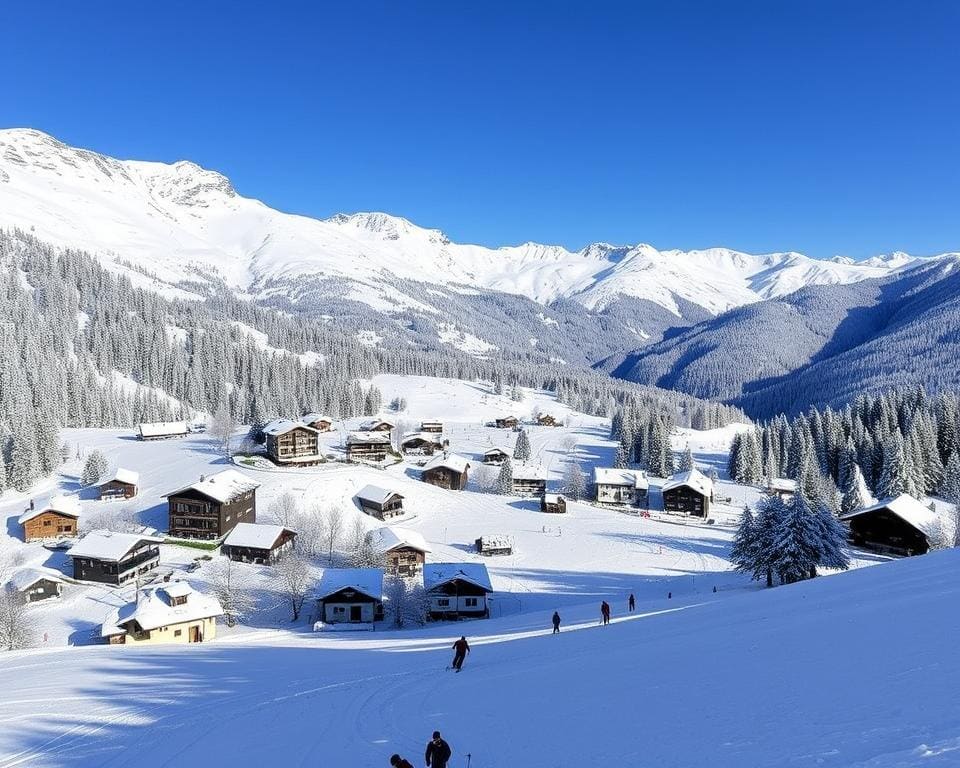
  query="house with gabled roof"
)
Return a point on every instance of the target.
[
  {"x": 368, "y": 446},
  {"x": 212, "y": 506},
  {"x": 115, "y": 558},
  {"x": 377, "y": 425},
  {"x": 257, "y": 543},
  {"x": 318, "y": 421},
  {"x": 446, "y": 471},
  {"x": 404, "y": 551},
  {"x": 35, "y": 584},
  {"x": 121, "y": 484},
  {"x": 620, "y": 486},
  {"x": 529, "y": 480},
  {"x": 689, "y": 493},
  {"x": 351, "y": 596},
  {"x": 495, "y": 456},
  {"x": 292, "y": 442},
  {"x": 900, "y": 526},
  {"x": 457, "y": 590},
  {"x": 162, "y": 430},
  {"x": 171, "y": 612},
  {"x": 53, "y": 519},
  {"x": 378, "y": 502}
]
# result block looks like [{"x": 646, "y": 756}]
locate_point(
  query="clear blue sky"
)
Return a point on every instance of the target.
[{"x": 825, "y": 127}]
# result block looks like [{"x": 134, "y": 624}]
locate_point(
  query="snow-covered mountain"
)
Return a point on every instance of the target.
[{"x": 179, "y": 228}]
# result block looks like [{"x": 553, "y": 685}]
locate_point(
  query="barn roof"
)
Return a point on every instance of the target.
[
  {"x": 552, "y": 498},
  {"x": 782, "y": 484},
  {"x": 222, "y": 486},
  {"x": 310, "y": 418},
  {"x": 692, "y": 478},
  {"x": 529, "y": 472},
  {"x": 155, "y": 609},
  {"x": 375, "y": 494},
  {"x": 372, "y": 438},
  {"x": 451, "y": 461},
  {"x": 25, "y": 578},
  {"x": 163, "y": 428},
  {"x": 255, "y": 535},
  {"x": 68, "y": 506},
  {"x": 908, "y": 509},
  {"x": 282, "y": 426},
  {"x": 496, "y": 451},
  {"x": 372, "y": 424},
  {"x": 437, "y": 574},
  {"x": 367, "y": 581},
  {"x": 614, "y": 476},
  {"x": 386, "y": 539},
  {"x": 428, "y": 437},
  {"x": 109, "y": 545},
  {"x": 121, "y": 475}
]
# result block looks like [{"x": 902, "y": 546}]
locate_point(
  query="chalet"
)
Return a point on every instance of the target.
[
  {"x": 782, "y": 487},
  {"x": 553, "y": 503},
  {"x": 899, "y": 526},
  {"x": 620, "y": 486},
  {"x": 290, "y": 442},
  {"x": 495, "y": 456},
  {"x": 434, "y": 427},
  {"x": 457, "y": 590},
  {"x": 211, "y": 507},
  {"x": 317, "y": 421},
  {"x": 404, "y": 551},
  {"x": 57, "y": 518},
  {"x": 123, "y": 484},
  {"x": 507, "y": 422},
  {"x": 425, "y": 443},
  {"x": 380, "y": 503},
  {"x": 351, "y": 595},
  {"x": 447, "y": 471},
  {"x": 377, "y": 425},
  {"x": 546, "y": 420},
  {"x": 529, "y": 480},
  {"x": 114, "y": 558},
  {"x": 368, "y": 446},
  {"x": 172, "y": 612},
  {"x": 689, "y": 493},
  {"x": 162, "y": 430},
  {"x": 35, "y": 584},
  {"x": 259, "y": 544},
  {"x": 497, "y": 544}
]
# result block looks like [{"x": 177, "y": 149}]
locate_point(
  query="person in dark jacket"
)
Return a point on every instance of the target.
[
  {"x": 605, "y": 612},
  {"x": 398, "y": 762},
  {"x": 556, "y": 622},
  {"x": 438, "y": 752},
  {"x": 461, "y": 649},
  {"x": 631, "y": 603}
]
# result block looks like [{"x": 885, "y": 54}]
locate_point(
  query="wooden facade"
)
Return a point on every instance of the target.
[
  {"x": 507, "y": 422},
  {"x": 212, "y": 507},
  {"x": 34, "y": 586},
  {"x": 116, "y": 489},
  {"x": 382, "y": 508},
  {"x": 422, "y": 444},
  {"x": 495, "y": 457},
  {"x": 686, "y": 500},
  {"x": 882, "y": 531},
  {"x": 317, "y": 422},
  {"x": 367, "y": 448},
  {"x": 259, "y": 554},
  {"x": 434, "y": 427},
  {"x": 494, "y": 545},
  {"x": 141, "y": 558},
  {"x": 50, "y": 524},
  {"x": 553, "y": 503},
  {"x": 296, "y": 445},
  {"x": 458, "y": 598},
  {"x": 529, "y": 486},
  {"x": 446, "y": 477},
  {"x": 546, "y": 420},
  {"x": 405, "y": 561}
]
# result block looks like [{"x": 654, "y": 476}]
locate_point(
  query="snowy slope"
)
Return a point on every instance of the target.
[{"x": 168, "y": 226}]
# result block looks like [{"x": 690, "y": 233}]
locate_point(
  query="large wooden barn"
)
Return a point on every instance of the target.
[
  {"x": 898, "y": 526},
  {"x": 317, "y": 421},
  {"x": 495, "y": 456},
  {"x": 507, "y": 422},
  {"x": 553, "y": 503},
  {"x": 688, "y": 493},
  {"x": 368, "y": 446},
  {"x": 172, "y": 612},
  {"x": 162, "y": 430},
  {"x": 436, "y": 427},
  {"x": 211, "y": 507},
  {"x": 377, "y": 425},
  {"x": 290, "y": 442},
  {"x": 35, "y": 584},
  {"x": 381, "y": 503},
  {"x": 447, "y": 471},
  {"x": 256, "y": 543},
  {"x": 351, "y": 596},
  {"x": 122, "y": 484},
  {"x": 623, "y": 487},
  {"x": 457, "y": 590},
  {"x": 529, "y": 480},
  {"x": 423, "y": 443},
  {"x": 403, "y": 551},
  {"x": 54, "y": 519},
  {"x": 114, "y": 558}
]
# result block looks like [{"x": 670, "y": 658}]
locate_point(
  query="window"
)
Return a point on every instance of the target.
[
  {"x": 443, "y": 602},
  {"x": 177, "y": 632},
  {"x": 470, "y": 602},
  {"x": 339, "y": 609},
  {"x": 47, "y": 522}
]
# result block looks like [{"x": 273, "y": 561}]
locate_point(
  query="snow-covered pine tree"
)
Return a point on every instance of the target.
[
  {"x": 894, "y": 478},
  {"x": 505, "y": 478},
  {"x": 521, "y": 451},
  {"x": 766, "y": 525},
  {"x": 855, "y": 492},
  {"x": 686, "y": 462},
  {"x": 797, "y": 546},
  {"x": 574, "y": 481},
  {"x": 94, "y": 469},
  {"x": 951, "y": 493}
]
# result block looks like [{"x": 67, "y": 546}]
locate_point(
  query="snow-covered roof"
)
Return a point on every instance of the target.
[
  {"x": 552, "y": 498},
  {"x": 368, "y": 581},
  {"x": 62, "y": 505},
  {"x": 155, "y": 609},
  {"x": 368, "y": 437},
  {"x": 109, "y": 545},
  {"x": 529, "y": 472},
  {"x": 222, "y": 486},
  {"x": 908, "y": 509},
  {"x": 282, "y": 426},
  {"x": 431, "y": 423},
  {"x": 451, "y": 461},
  {"x": 375, "y": 494},
  {"x": 436, "y": 574},
  {"x": 122, "y": 475},
  {"x": 386, "y": 539},
  {"x": 161, "y": 428},
  {"x": 255, "y": 535},
  {"x": 692, "y": 478},
  {"x": 782, "y": 484},
  {"x": 427, "y": 437},
  {"x": 372, "y": 424},
  {"x": 27, "y": 577},
  {"x": 311, "y": 418},
  {"x": 614, "y": 476},
  {"x": 496, "y": 541},
  {"x": 496, "y": 451}
]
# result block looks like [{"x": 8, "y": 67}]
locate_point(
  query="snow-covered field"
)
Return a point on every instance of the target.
[{"x": 710, "y": 670}]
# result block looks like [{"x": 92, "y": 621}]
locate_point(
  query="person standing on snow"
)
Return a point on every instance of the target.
[
  {"x": 461, "y": 649},
  {"x": 398, "y": 762},
  {"x": 556, "y": 622},
  {"x": 438, "y": 752},
  {"x": 631, "y": 603},
  {"x": 605, "y": 612}
]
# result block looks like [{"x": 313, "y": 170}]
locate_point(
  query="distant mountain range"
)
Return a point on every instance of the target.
[{"x": 644, "y": 314}]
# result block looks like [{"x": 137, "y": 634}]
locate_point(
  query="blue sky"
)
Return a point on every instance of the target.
[{"x": 825, "y": 127}]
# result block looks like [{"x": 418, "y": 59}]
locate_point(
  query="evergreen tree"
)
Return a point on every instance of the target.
[
  {"x": 854, "y": 496},
  {"x": 94, "y": 469},
  {"x": 505, "y": 478},
  {"x": 574, "y": 481},
  {"x": 686, "y": 462},
  {"x": 893, "y": 477},
  {"x": 797, "y": 546},
  {"x": 521, "y": 451}
]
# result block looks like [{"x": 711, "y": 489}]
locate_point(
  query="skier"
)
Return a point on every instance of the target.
[
  {"x": 605, "y": 612},
  {"x": 631, "y": 603},
  {"x": 556, "y": 622},
  {"x": 398, "y": 762},
  {"x": 438, "y": 751},
  {"x": 461, "y": 648}
]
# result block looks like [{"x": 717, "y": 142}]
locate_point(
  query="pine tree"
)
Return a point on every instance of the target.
[
  {"x": 505, "y": 478},
  {"x": 620, "y": 458},
  {"x": 797, "y": 546},
  {"x": 94, "y": 469},
  {"x": 521, "y": 451},
  {"x": 574, "y": 481},
  {"x": 893, "y": 477},
  {"x": 685, "y": 462},
  {"x": 854, "y": 495},
  {"x": 951, "y": 493},
  {"x": 743, "y": 553},
  {"x": 765, "y": 531}
]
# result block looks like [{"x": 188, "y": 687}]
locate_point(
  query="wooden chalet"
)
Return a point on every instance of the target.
[
  {"x": 114, "y": 558},
  {"x": 457, "y": 590},
  {"x": 377, "y": 425},
  {"x": 782, "y": 487},
  {"x": 494, "y": 545},
  {"x": 351, "y": 596},
  {"x": 381, "y": 503},
  {"x": 423, "y": 443},
  {"x": 259, "y": 544},
  {"x": 434, "y": 427},
  {"x": 162, "y": 430},
  {"x": 495, "y": 456},
  {"x": 212, "y": 507},
  {"x": 36, "y": 584},
  {"x": 447, "y": 471},
  {"x": 553, "y": 503},
  {"x": 898, "y": 526},
  {"x": 368, "y": 446},
  {"x": 546, "y": 420},
  {"x": 172, "y": 612},
  {"x": 123, "y": 484},
  {"x": 529, "y": 480},
  {"x": 688, "y": 493},
  {"x": 290, "y": 442},
  {"x": 625, "y": 487},
  {"x": 403, "y": 551},
  {"x": 54, "y": 519},
  {"x": 317, "y": 421},
  {"x": 507, "y": 422}
]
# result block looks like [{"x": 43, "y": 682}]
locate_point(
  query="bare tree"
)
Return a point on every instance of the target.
[
  {"x": 231, "y": 585},
  {"x": 11, "y": 558},
  {"x": 334, "y": 530},
  {"x": 569, "y": 444},
  {"x": 363, "y": 553},
  {"x": 295, "y": 579},
  {"x": 407, "y": 602},
  {"x": 485, "y": 478},
  {"x": 120, "y": 519},
  {"x": 221, "y": 428},
  {"x": 311, "y": 527},
  {"x": 285, "y": 509},
  {"x": 17, "y": 626}
]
